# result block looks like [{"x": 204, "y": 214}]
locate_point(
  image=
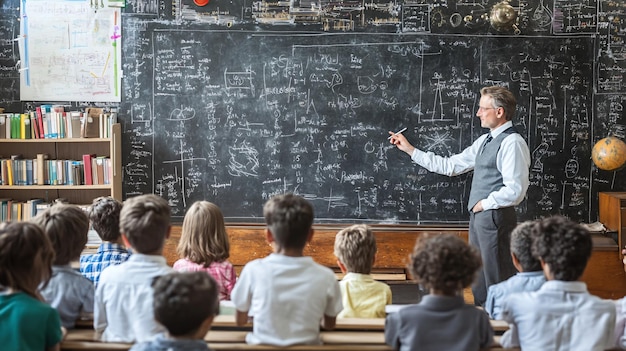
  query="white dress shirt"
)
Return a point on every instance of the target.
[
  {"x": 513, "y": 162},
  {"x": 123, "y": 309},
  {"x": 559, "y": 316}
]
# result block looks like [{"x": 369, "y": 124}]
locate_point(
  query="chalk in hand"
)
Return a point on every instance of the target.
[{"x": 396, "y": 133}]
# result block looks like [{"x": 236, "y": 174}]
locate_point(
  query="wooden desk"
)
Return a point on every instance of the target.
[{"x": 612, "y": 213}]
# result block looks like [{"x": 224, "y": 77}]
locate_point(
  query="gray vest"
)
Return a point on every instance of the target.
[{"x": 487, "y": 178}]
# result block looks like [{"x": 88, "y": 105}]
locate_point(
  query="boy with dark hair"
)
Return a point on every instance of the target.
[
  {"x": 561, "y": 315},
  {"x": 185, "y": 303},
  {"x": 287, "y": 293},
  {"x": 445, "y": 265},
  {"x": 67, "y": 291},
  {"x": 123, "y": 305},
  {"x": 529, "y": 278},
  {"x": 362, "y": 296},
  {"x": 104, "y": 215}
]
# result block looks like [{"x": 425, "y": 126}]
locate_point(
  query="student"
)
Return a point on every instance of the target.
[
  {"x": 204, "y": 246},
  {"x": 362, "y": 296},
  {"x": 288, "y": 294},
  {"x": 123, "y": 309},
  {"x": 561, "y": 315},
  {"x": 185, "y": 303},
  {"x": 620, "y": 323},
  {"x": 26, "y": 322},
  {"x": 104, "y": 215},
  {"x": 445, "y": 265},
  {"x": 67, "y": 291},
  {"x": 529, "y": 278}
]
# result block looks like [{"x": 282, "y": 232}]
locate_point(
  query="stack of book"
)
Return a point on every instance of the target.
[
  {"x": 91, "y": 170},
  {"x": 53, "y": 122}
]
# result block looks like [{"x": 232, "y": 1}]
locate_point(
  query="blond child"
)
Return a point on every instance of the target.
[
  {"x": 27, "y": 323},
  {"x": 185, "y": 303},
  {"x": 445, "y": 265},
  {"x": 123, "y": 305},
  {"x": 287, "y": 293},
  {"x": 67, "y": 291},
  {"x": 362, "y": 296},
  {"x": 204, "y": 246}
]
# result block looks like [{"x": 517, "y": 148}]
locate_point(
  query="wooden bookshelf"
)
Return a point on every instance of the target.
[{"x": 70, "y": 149}]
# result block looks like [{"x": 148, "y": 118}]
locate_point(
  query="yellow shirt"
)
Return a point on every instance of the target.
[{"x": 363, "y": 297}]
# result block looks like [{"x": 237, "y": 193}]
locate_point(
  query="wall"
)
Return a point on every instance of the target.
[{"x": 235, "y": 102}]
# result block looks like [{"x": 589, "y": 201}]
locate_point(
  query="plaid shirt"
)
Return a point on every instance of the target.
[
  {"x": 222, "y": 272},
  {"x": 108, "y": 254}
]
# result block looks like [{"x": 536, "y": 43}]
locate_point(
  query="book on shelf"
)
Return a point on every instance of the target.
[
  {"x": 91, "y": 123},
  {"x": 40, "y": 121},
  {"x": 41, "y": 169},
  {"x": 74, "y": 124},
  {"x": 3, "y": 126},
  {"x": 87, "y": 164}
]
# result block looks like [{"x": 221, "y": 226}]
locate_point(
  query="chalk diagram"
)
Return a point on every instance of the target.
[{"x": 243, "y": 160}]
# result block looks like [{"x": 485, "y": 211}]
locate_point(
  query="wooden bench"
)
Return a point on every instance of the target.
[
  {"x": 349, "y": 334},
  {"x": 344, "y": 324},
  {"x": 80, "y": 340}
]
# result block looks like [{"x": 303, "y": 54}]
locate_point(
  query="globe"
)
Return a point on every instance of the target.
[{"x": 609, "y": 154}]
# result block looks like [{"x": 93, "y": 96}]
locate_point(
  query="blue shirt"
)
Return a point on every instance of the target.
[
  {"x": 108, "y": 254},
  {"x": 70, "y": 293},
  {"x": 523, "y": 281},
  {"x": 560, "y": 315}
]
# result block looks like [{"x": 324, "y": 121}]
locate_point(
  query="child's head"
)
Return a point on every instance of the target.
[
  {"x": 145, "y": 222},
  {"x": 204, "y": 239},
  {"x": 67, "y": 227},
  {"x": 289, "y": 218},
  {"x": 104, "y": 214},
  {"x": 564, "y": 247},
  {"x": 444, "y": 263},
  {"x": 186, "y": 302},
  {"x": 26, "y": 256},
  {"x": 355, "y": 248},
  {"x": 521, "y": 242}
]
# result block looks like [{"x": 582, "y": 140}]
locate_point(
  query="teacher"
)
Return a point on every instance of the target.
[{"x": 500, "y": 160}]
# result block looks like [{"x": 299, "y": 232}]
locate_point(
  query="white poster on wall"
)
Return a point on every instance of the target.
[{"x": 70, "y": 51}]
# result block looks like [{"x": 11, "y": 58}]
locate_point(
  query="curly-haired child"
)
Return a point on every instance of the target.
[
  {"x": 562, "y": 314},
  {"x": 445, "y": 265},
  {"x": 185, "y": 303}
]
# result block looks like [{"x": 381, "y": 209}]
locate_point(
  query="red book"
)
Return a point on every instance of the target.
[
  {"x": 87, "y": 164},
  {"x": 40, "y": 121}
]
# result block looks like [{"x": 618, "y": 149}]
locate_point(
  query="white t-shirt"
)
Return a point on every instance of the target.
[{"x": 287, "y": 297}]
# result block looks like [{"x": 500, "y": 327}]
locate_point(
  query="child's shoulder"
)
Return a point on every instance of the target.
[{"x": 26, "y": 302}]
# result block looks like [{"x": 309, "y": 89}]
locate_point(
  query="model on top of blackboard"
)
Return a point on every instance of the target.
[{"x": 501, "y": 161}]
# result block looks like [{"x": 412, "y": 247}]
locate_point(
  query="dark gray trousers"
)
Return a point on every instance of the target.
[{"x": 490, "y": 232}]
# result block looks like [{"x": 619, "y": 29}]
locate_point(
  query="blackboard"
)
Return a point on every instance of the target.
[
  {"x": 309, "y": 114},
  {"x": 236, "y": 102}
]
